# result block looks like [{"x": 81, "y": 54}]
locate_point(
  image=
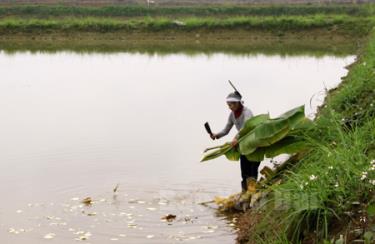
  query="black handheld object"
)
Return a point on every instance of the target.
[
  {"x": 208, "y": 128},
  {"x": 235, "y": 89}
]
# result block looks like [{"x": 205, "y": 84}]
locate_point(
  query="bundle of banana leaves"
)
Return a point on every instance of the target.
[{"x": 262, "y": 137}]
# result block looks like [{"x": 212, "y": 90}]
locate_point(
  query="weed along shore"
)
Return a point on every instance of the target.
[
  {"x": 323, "y": 193},
  {"x": 338, "y": 172}
]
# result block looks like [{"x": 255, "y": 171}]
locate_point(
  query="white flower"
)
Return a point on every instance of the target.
[
  {"x": 330, "y": 167},
  {"x": 372, "y": 182},
  {"x": 337, "y": 184},
  {"x": 313, "y": 177},
  {"x": 364, "y": 175}
]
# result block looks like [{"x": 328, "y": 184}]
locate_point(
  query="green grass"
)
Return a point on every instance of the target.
[
  {"x": 353, "y": 19},
  {"x": 344, "y": 23},
  {"x": 139, "y": 10},
  {"x": 327, "y": 183}
]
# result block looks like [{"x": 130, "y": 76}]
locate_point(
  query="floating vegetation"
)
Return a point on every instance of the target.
[
  {"x": 169, "y": 217},
  {"x": 83, "y": 236},
  {"x": 137, "y": 221},
  {"x": 87, "y": 201},
  {"x": 18, "y": 231},
  {"x": 116, "y": 188}
]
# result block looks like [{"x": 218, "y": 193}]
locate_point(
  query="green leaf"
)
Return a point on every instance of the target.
[
  {"x": 217, "y": 153},
  {"x": 288, "y": 145},
  {"x": 369, "y": 237},
  {"x": 371, "y": 210},
  {"x": 233, "y": 154},
  {"x": 271, "y": 131},
  {"x": 253, "y": 122},
  {"x": 262, "y": 136}
]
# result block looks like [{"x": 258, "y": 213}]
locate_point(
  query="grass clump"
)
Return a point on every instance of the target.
[
  {"x": 283, "y": 23},
  {"x": 334, "y": 184},
  {"x": 220, "y": 10}
]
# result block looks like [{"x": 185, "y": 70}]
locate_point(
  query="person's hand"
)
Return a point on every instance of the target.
[
  {"x": 234, "y": 142},
  {"x": 213, "y": 136}
]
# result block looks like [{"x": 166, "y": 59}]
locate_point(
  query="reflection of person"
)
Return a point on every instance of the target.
[{"x": 238, "y": 116}]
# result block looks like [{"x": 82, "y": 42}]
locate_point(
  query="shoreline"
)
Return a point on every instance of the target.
[
  {"x": 357, "y": 90},
  {"x": 236, "y": 42}
]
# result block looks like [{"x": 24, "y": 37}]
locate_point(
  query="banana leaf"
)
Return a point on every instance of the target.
[
  {"x": 217, "y": 153},
  {"x": 260, "y": 132},
  {"x": 288, "y": 145},
  {"x": 304, "y": 125},
  {"x": 271, "y": 131},
  {"x": 263, "y": 135},
  {"x": 253, "y": 122},
  {"x": 233, "y": 154}
]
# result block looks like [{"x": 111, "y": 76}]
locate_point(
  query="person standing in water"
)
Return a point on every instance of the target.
[{"x": 238, "y": 116}]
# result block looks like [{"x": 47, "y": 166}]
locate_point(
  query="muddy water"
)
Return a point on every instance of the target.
[{"x": 75, "y": 126}]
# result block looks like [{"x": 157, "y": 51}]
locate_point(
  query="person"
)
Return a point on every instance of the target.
[{"x": 238, "y": 116}]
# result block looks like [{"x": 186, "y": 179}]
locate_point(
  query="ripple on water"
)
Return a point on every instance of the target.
[{"x": 121, "y": 216}]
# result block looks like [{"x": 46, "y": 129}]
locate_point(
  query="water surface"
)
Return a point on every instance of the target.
[{"x": 76, "y": 125}]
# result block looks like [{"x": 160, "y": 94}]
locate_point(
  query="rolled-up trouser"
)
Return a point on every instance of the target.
[{"x": 248, "y": 169}]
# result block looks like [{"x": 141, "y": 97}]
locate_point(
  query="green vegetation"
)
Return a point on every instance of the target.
[
  {"x": 353, "y": 19},
  {"x": 262, "y": 137},
  {"x": 141, "y": 11},
  {"x": 330, "y": 192},
  {"x": 340, "y": 23}
]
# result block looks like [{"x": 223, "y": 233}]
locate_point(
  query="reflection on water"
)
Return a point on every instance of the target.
[{"x": 74, "y": 126}]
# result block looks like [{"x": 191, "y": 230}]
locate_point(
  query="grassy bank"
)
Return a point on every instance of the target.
[
  {"x": 329, "y": 196},
  {"x": 44, "y": 11},
  {"x": 342, "y": 23},
  {"x": 356, "y": 19},
  {"x": 236, "y": 42}
]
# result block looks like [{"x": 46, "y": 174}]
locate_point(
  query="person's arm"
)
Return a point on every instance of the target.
[{"x": 226, "y": 129}]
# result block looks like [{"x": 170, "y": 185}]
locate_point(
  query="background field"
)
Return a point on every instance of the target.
[{"x": 179, "y": 2}]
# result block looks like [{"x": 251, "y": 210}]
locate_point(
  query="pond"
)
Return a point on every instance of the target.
[{"x": 77, "y": 125}]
